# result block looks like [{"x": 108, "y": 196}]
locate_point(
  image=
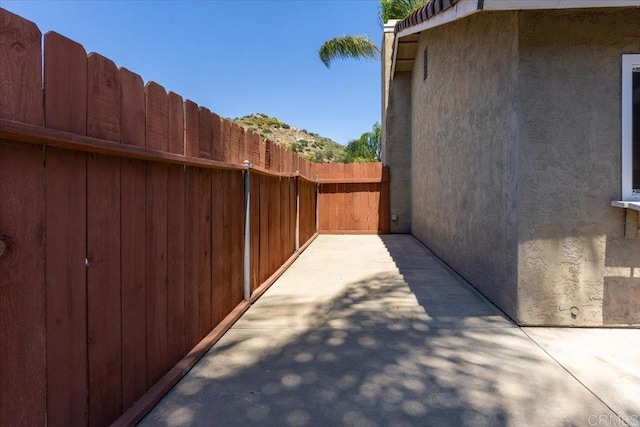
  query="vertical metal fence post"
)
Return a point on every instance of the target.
[
  {"x": 247, "y": 232},
  {"x": 297, "y": 211}
]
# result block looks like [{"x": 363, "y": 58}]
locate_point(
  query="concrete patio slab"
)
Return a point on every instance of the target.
[{"x": 376, "y": 331}]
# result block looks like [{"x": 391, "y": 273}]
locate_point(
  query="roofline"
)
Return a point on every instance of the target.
[
  {"x": 459, "y": 10},
  {"x": 435, "y": 13}
]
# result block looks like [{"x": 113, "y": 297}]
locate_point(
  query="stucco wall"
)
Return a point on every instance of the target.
[
  {"x": 464, "y": 150},
  {"x": 396, "y": 138},
  {"x": 572, "y": 251}
]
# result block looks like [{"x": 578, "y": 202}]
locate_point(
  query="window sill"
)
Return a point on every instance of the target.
[{"x": 626, "y": 205}]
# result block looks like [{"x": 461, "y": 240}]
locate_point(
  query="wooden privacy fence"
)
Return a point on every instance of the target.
[
  {"x": 135, "y": 227},
  {"x": 353, "y": 198},
  {"x": 122, "y": 231}
]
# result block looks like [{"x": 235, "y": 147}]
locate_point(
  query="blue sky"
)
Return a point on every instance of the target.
[{"x": 234, "y": 57}]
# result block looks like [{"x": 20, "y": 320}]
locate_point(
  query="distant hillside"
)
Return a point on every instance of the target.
[{"x": 311, "y": 146}]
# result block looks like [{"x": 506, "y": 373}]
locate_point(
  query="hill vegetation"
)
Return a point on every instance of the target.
[{"x": 309, "y": 145}]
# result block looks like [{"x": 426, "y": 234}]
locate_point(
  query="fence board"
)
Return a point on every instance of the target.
[
  {"x": 263, "y": 153},
  {"x": 356, "y": 206},
  {"x": 103, "y": 289},
  {"x": 227, "y": 236},
  {"x": 103, "y": 98},
  {"x": 255, "y": 229},
  {"x": 66, "y": 322},
  {"x": 176, "y": 123},
  {"x": 275, "y": 239},
  {"x": 191, "y": 129},
  {"x": 205, "y": 133},
  {"x": 193, "y": 257},
  {"x": 133, "y": 110},
  {"x": 156, "y": 293},
  {"x": 236, "y": 243},
  {"x": 216, "y": 145},
  {"x": 157, "y": 117},
  {"x": 227, "y": 130},
  {"x": 66, "y": 100},
  {"x": 22, "y": 222},
  {"x": 20, "y": 69},
  {"x": 205, "y": 253},
  {"x": 264, "y": 228},
  {"x": 176, "y": 264},
  {"x": 283, "y": 225},
  {"x": 219, "y": 288},
  {"x": 252, "y": 141},
  {"x": 133, "y": 175}
]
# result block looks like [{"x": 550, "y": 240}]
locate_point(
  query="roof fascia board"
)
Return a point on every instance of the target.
[
  {"x": 555, "y": 4},
  {"x": 460, "y": 10}
]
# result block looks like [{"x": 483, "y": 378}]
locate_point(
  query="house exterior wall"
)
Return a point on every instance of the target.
[
  {"x": 575, "y": 266},
  {"x": 396, "y": 137},
  {"x": 464, "y": 136}
]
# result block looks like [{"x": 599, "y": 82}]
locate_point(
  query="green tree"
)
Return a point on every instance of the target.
[
  {"x": 361, "y": 47},
  {"x": 366, "y": 148}
]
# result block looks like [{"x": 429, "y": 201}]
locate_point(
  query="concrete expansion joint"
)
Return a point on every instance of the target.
[{"x": 564, "y": 368}]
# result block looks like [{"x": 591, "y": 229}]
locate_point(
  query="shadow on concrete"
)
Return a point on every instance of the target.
[{"x": 397, "y": 348}]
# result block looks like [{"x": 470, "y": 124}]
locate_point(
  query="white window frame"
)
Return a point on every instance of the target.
[{"x": 629, "y": 62}]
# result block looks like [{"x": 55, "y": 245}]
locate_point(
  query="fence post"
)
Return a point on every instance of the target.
[
  {"x": 297, "y": 211},
  {"x": 247, "y": 232}
]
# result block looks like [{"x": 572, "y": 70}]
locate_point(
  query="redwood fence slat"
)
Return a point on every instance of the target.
[
  {"x": 237, "y": 237},
  {"x": 264, "y": 266},
  {"x": 66, "y": 98},
  {"x": 157, "y": 117},
  {"x": 219, "y": 287},
  {"x": 193, "y": 257},
  {"x": 22, "y": 226},
  {"x": 133, "y": 110},
  {"x": 176, "y": 241},
  {"x": 66, "y": 288},
  {"x": 216, "y": 144},
  {"x": 191, "y": 129},
  {"x": 205, "y": 133},
  {"x": 20, "y": 69},
  {"x": 103, "y": 102},
  {"x": 204, "y": 218},
  {"x": 133, "y": 175},
  {"x": 176, "y": 123},
  {"x": 156, "y": 288},
  {"x": 227, "y": 131},
  {"x": 255, "y": 229},
  {"x": 225, "y": 231},
  {"x": 103, "y": 288}
]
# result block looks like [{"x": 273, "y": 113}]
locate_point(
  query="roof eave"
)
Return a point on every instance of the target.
[
  {"x": 461, "y": 9},
  {"x": 464, "y": 8}
]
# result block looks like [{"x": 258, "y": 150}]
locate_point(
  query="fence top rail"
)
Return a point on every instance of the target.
[
  {"x": 351, "y": 180},
  {"x": 267, "y": 172},
  {"x": 23, "y": 132}
]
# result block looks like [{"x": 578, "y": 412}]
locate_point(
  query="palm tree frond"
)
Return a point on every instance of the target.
[
  {"x": 398, "y": 9},
  {"x": 342, "y": 47}
]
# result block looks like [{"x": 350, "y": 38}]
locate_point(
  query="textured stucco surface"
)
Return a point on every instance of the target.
[
  {"x": 572, "y": 251},
  {"x": 396, "y": 138},
  {"x": 464, "y": 150}
]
